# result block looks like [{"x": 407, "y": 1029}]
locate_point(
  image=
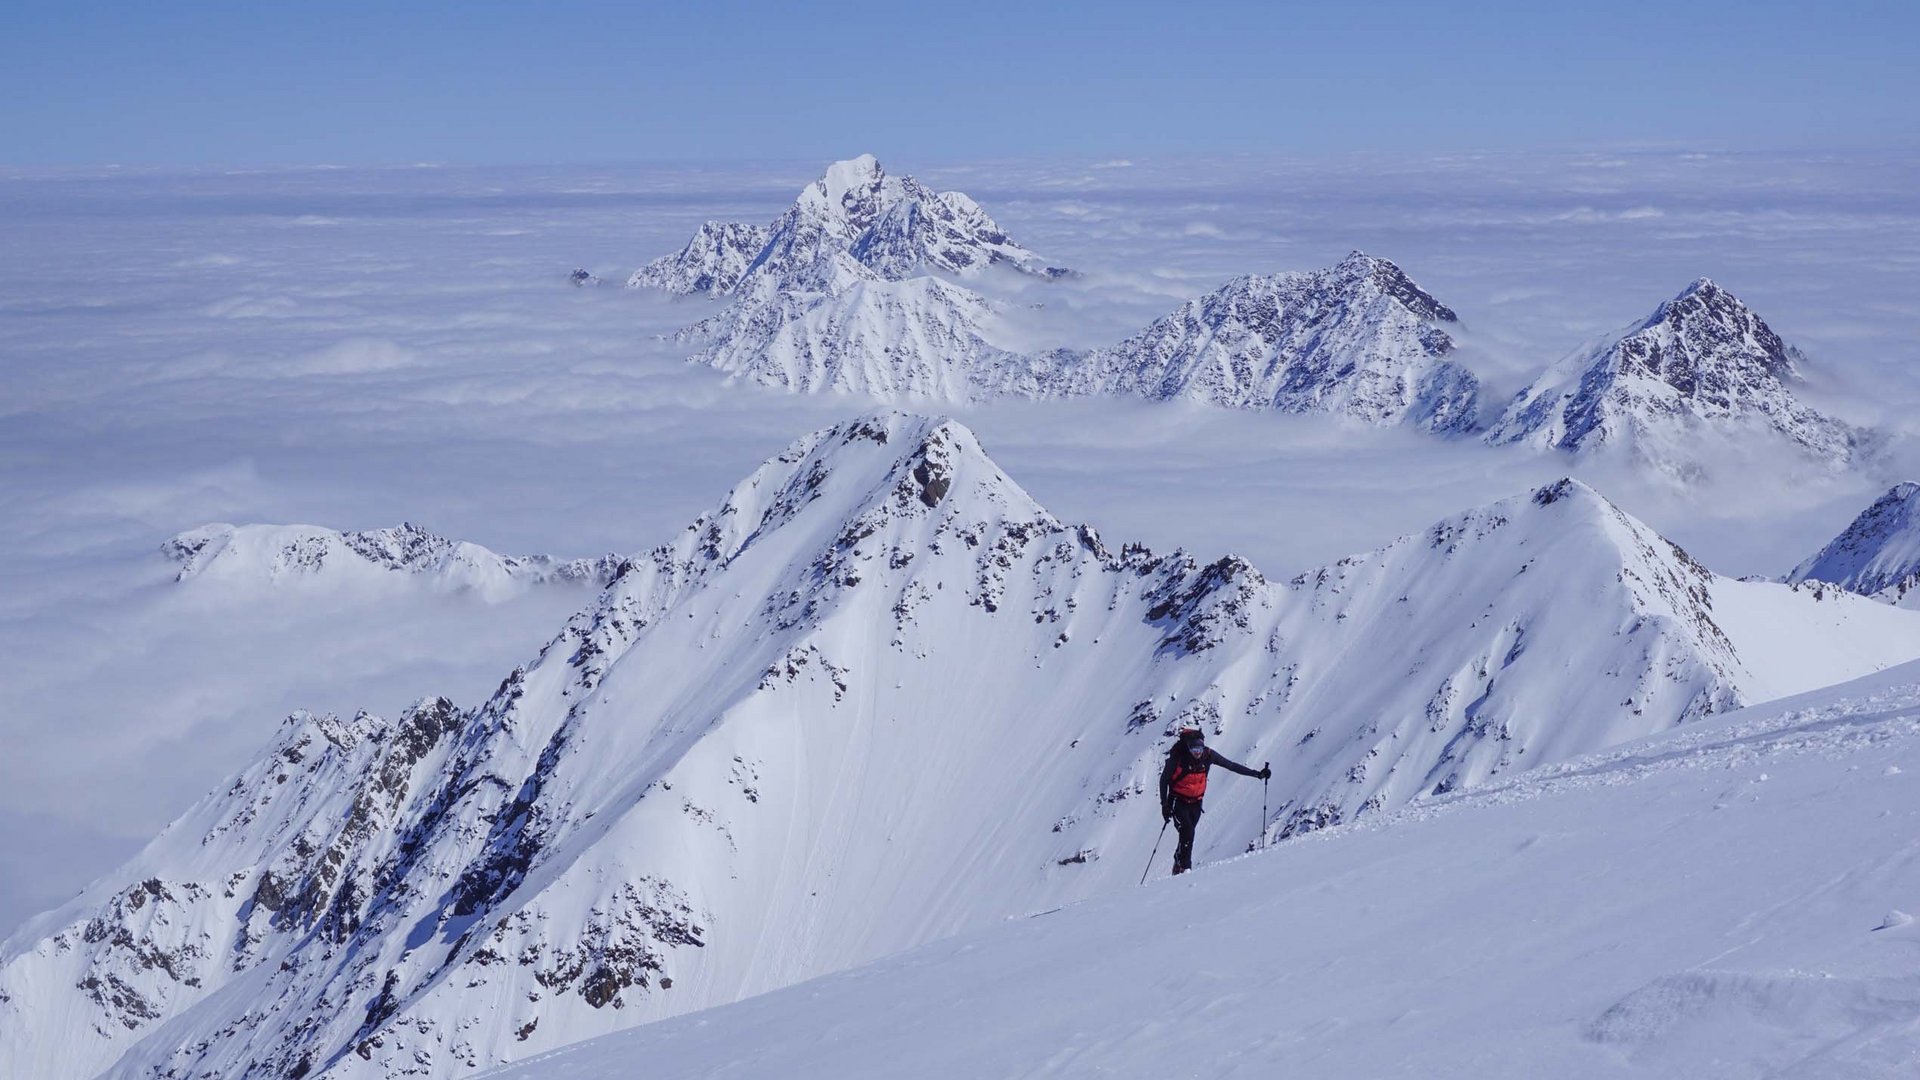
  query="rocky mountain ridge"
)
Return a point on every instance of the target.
[{"x": 1358, "y": 339}]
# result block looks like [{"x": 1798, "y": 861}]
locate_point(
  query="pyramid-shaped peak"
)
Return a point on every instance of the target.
[
  {"x": 889, "y": 227},
  {"x": 1704, "y": 298},
  {"x": 1360, "y": 268},
  {"x": 885, "y": 462},
  {"x": 1702, "y": 363}
]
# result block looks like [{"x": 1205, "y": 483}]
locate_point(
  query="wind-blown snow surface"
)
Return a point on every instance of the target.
[
  {"x": 875, "y": 697},
  {"x": 1728, "y": 901},
  {"x": 1879, "y": 553},
  {"x": 1702, "y": 361},
  {"x": 357, "y": 347}
]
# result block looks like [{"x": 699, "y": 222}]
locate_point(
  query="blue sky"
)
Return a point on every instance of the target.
[{"x": 359, "y": 83}]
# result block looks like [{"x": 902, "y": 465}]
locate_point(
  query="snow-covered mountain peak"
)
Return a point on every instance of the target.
[
  {"x": 1362, "y": 271},
  {"x": 1357, "y": 339},
  {"x": 850, "y": 192},
  {"x": 1703, "y": 362},
  {"x": 1878, "y": 555},
  {"x": 884, "y": 464},
  {"x": 893, "y": 226},
  {"x": 1706, "y": 324}
]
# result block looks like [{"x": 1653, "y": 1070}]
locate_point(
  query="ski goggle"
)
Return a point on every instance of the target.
[{"x": 1196, "y": 748}]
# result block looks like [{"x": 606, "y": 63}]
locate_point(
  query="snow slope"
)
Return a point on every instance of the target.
[
  {"x": 842, "y": 329},
  {"x": 875, "y": 697},
  {"x": 1878, "y": 555},
  {"x": 287, "y": 553},
  {"x": 1701, "y": 361},
  {"x": 1728, "y": 901}
]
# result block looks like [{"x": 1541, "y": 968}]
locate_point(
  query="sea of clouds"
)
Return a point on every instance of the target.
[{"x": 355, "y": 348}]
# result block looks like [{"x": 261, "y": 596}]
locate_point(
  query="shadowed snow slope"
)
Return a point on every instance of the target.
[
  {"x": 876, "y": 697},
  {"x": 1702, "y": 361},
  {"x": 1878, "y": 555},
  {"x": 1722, "y": 902}
]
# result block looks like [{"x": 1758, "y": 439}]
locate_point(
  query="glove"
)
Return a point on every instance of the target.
[
  {"x": 1166, "y": 812},
  {"x": 1266, "y": 772}
]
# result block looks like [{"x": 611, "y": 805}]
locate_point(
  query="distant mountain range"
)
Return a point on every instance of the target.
[
  {"x": 861, "y": 286},
  {"x": 876, "y": 669},
  {"x": 263, "y": 554}
]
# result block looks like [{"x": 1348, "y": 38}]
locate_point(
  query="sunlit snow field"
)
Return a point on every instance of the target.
[{"x": 357, "y": 348}]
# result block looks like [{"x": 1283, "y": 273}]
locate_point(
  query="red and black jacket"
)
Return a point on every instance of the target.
[{"x": 1185, "y": 776}]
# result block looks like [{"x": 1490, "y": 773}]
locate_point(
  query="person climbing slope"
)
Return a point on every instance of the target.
[{"x": 1183, "y": 783}]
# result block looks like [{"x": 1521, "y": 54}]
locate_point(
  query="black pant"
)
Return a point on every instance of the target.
[{"x": 1186, "y": 818}]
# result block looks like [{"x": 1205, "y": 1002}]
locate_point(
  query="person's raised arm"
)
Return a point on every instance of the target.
[{"x": 1226, "y": 762}]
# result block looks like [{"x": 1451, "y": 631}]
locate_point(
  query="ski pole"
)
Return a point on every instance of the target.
[
  {"x": 1156, "y": 851},
  {"x": 1265, "y": 766}
]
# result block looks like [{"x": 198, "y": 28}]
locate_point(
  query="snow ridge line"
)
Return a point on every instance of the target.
[{"x": 1789, "y": 733}]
